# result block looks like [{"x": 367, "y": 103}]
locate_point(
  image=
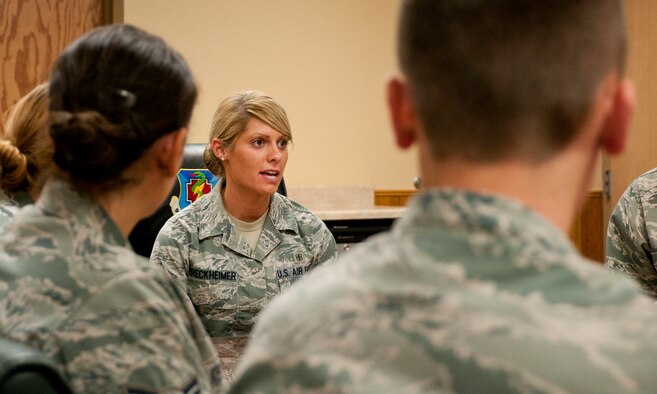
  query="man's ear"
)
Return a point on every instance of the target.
[
  {"x": 169, "y": 151},
  {"x": 617, "y": 125},
  {"x": 218, "y": 148},
  {"x": 402, "y": 112}
]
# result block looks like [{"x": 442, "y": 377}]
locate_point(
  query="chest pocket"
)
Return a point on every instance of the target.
[
  {"x": 292, "y": 267},
  {"x": 215, "y": 295}
]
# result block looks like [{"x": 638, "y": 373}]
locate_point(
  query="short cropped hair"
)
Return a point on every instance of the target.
[
  {"x": 499, "y": 79},
  {"x": 232, "y": 115}
]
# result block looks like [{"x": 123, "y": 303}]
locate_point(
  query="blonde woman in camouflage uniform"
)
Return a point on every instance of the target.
[
  {"x": 632, "y": 233},
  {"x": 237, "y": 247},
  {"x": 25, "y": 153},
  {"x": 120, "y": 102},
  {"x": 477, "y": 289}
]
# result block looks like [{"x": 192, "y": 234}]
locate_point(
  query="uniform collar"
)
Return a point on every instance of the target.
[
  {"x": 19, "y": 198},
  {"x": 488, "y": 215},
  {"x": 62, "y": 199},
  {"x": 22, "y": 198},
  {"x": 214, "y": 222}
]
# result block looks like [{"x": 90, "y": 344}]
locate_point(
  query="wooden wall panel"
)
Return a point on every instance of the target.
[
  {"x": 586, "y": 232},
  {"x": 32, "y": 34}
]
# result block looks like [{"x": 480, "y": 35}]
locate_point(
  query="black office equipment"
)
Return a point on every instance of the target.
[{"x": 24, "y": 370}]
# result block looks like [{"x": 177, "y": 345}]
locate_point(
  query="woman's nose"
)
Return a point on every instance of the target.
[{"x": 274, "y": 153}]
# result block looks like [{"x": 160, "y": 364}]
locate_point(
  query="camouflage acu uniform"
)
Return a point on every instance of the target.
[
  {"x": 71, "y": 286},
  {"x": 226, "y": 280},
  {"x": 632, "y": 233},
  {"x": 467, "y": 293},
  {"x": 9, "y": 205}
]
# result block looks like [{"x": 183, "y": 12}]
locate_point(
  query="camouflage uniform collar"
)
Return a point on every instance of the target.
[
  {"x": 62, "y": 199},
  {"x": 19, "y": 198},
  {"x": 213, "y": 207},
  {"x": 22, "y": 198},
  {"x": 480, "y": 213},
  {"x": 213, "y": 221},
  {"x": 5, "y": 199},
  {"x": 7, "y": 208}
]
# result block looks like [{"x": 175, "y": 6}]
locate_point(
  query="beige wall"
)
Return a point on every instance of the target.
[{"x": 325, "y": 61}]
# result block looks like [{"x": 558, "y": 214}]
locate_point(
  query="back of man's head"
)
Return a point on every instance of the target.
[{"x": 507, "y": 79}]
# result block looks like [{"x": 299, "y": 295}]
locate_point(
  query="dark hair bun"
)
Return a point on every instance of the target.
[
  {"x": 91, "y": 148},
  {"x": 113, "y": 93}
]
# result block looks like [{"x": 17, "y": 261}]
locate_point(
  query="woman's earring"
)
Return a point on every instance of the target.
[{"x": 222, "y": 159}]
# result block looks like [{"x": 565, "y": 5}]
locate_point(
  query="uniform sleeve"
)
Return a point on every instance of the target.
[
  {"x": 327, "y": 250},
  {"x": 628, "y": 241},
  {"x": 135, "y": 336},
  {"x": 171, "y": 251}
]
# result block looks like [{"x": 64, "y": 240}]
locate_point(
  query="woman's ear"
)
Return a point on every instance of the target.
[
  {"x": 218, "y": 148},
  {"x": 168, "y": 151}
]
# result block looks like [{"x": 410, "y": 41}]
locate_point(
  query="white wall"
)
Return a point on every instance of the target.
[{"x": 325, "y": 60}]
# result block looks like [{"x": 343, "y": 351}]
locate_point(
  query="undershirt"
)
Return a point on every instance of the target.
[{"x": 250, "y": 230}]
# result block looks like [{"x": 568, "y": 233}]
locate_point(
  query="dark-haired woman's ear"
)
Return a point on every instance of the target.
[{"x": 168, "y": 151}]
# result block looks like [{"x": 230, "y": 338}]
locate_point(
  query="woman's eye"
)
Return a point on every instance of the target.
[
  {"x": 257, "y": 142},
  {"x": 282, "y": 144}
]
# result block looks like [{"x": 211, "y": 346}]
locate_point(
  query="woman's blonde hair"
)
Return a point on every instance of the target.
[
  {"x": 26, "y": 149},
  {"x": 230, "y": 119}
]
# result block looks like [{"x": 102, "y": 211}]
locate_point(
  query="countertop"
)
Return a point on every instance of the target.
[
  {"x": 342, "y": 202},
  {"x": 375, "y": 212}
]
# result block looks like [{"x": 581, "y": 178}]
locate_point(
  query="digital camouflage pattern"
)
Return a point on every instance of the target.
[
  {"x": 226, "y": 280},
  {"x": 71, "y": 286},
  {"x": 9, "y": 205},
  {"x": 467, "y": 293},
  {"x": 632, "y": 233}
]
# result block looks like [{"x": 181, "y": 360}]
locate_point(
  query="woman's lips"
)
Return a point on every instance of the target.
[{"x": 270, "y": 175}]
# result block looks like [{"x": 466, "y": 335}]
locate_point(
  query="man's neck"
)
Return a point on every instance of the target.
[{"x": 555, "y": 189}]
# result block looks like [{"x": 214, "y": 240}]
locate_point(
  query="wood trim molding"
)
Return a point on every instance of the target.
[
  {"x": 393, "y": 198},
  {"x": 112, "y": 11},
  {"x": 587, "y": 231}
]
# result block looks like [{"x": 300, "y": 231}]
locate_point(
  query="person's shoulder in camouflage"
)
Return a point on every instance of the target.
[
  {"x": 431, "y": 307},
  {"x": 73, "y": 288},
  {"x": 8, "y": 208},
  {"x": 311, "y": 229},
  {"x": 632, "y": 233}
]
